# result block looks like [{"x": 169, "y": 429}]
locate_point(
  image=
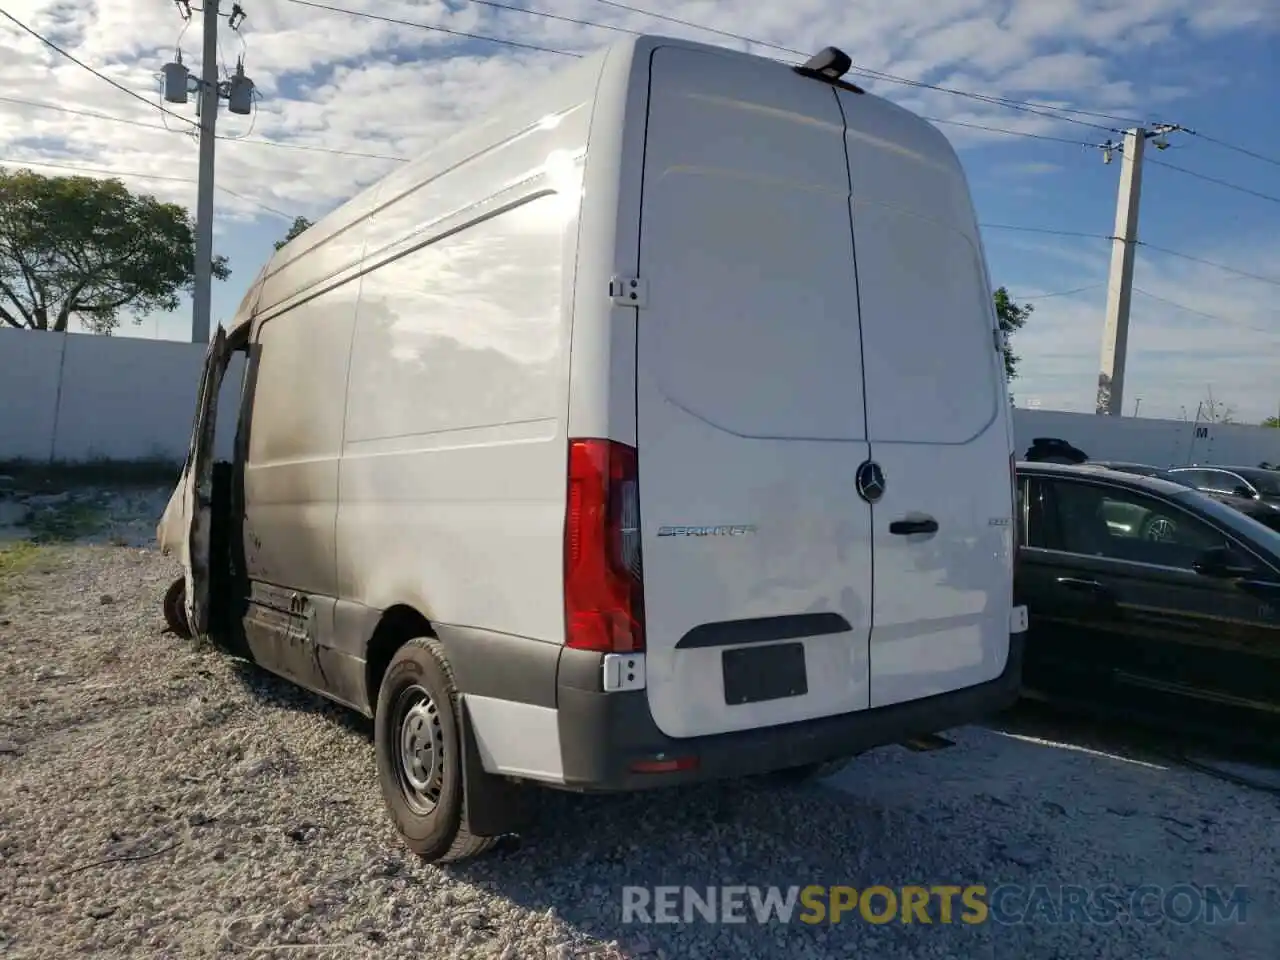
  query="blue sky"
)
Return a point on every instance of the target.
[{"x": 349, "y": 83}]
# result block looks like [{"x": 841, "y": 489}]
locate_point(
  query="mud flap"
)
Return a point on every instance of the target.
[{"x": 495, "y": 806}]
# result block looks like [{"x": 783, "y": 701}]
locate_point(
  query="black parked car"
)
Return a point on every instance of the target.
[
  {"x": 1265, "y": 512},
  {"x": 1148, "y": 595},
  {"x": 1256, "y": 484}
]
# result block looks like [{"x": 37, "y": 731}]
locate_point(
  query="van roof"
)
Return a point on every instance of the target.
[{"x": 539, "y": 101}]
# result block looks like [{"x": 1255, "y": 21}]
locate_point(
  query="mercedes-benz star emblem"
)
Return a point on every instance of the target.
[{"x": 870, "y": 481}]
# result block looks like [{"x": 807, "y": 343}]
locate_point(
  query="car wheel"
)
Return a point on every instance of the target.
[
  {"x": 810, "y": 772},
  {"x": 419, "y": 754},
  {"x": 1160, "y": 529},
  {"x": 175, "y": 608}
]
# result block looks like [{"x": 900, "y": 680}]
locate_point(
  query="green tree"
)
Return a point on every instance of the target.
[
  {"x": 299, "y": 225},
  {"x": 87, "y": 248},
  {"x": 1012, "y": 318},
  {"x": 1272, "y": 422}
]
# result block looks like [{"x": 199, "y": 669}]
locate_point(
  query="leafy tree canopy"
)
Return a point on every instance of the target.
[
  {"x": 1012, "y": 317},
  {"x": 299, "y": 224},
  {"x": 87, "y": 248}
]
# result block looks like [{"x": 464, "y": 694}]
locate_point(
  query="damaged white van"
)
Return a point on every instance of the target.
[{"x": 653, "y": 429}]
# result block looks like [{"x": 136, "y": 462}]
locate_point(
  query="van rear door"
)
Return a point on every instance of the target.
[
  {"x": 937, "y": 411},
  {"x": 750, "y": 423}
]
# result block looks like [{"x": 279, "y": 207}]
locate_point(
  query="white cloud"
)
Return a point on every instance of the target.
[
  {"x": 357, "y": 84},
  {"x": 1222, "y": 335}
]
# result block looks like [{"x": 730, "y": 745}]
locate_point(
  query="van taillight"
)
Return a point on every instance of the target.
[{"x": 603, "y": 575}]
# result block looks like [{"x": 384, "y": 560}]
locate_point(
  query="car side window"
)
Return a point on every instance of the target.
[
  {"x": 1220, "y": 481},
  {"x": 1121, "y": 524},
  {"x": 1042, "y": 522}
]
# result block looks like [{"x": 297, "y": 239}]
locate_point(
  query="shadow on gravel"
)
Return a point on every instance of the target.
[
  {"x": 274, "y": 691},
  {"x": 584, "y": 851}
]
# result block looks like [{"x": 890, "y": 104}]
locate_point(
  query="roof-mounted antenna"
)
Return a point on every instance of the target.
[{"x": 829, "y": 65}]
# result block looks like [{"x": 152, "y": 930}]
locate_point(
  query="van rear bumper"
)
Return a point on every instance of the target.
[{"x": 603, "y": 734}]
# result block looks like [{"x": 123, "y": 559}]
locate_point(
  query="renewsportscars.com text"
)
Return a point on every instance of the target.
[{"x": 936, "y": 904}]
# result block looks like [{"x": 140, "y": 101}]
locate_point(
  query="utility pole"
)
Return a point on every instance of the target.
[
  {"x": 1115, "y": 331},
  {"x": 207, "y": 110},
  {"x": 238, "y": 92}
]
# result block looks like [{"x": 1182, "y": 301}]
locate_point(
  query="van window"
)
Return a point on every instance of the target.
[{"x": 463, "y": 332}]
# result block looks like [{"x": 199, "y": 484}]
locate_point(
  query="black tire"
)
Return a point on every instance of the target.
[
  {"x": 427, "y": 806},
  {"x": 809, "y": 772},
  {"x": 175, "y": 608}
]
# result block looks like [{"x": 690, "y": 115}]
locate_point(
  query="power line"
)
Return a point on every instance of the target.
[
  {"x": 1060, "y": 293},
  {"x": 160, "y": 126},
  {"x": 87, "y": 113},
  {"x": 1143, "y": 243},
  {"x": 1057, "y": 233},
  {"x": 307, "y": 147},
  {"x": 556, "y": 16},
  {"x": 1012, "y": 133},
  {"x": 1050, "y": 111},
  {"x": 165, "y": 178},
  {"x": 101, "y": 76},
  {"x": 1222, "y": 183},
  {"x": 1232, "y": 146},
  {"x": 1024, "y": 105},
  {"x": 1201, "y": 313},
  {"x": 1211, "y": 263},
  {"x": 432, "y": 27}
]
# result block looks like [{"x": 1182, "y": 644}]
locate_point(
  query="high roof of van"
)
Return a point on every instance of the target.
[{"x": 606, "y": 71}]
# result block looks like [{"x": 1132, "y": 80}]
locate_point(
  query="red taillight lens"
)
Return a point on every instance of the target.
[{"x": 603, "y": 574}]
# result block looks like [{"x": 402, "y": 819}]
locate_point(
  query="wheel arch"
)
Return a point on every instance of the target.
[{"x": 397, "y": 625}]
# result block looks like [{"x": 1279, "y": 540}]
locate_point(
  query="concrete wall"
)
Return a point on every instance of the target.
[
  {"x": 77, "y": 397},
  {"x": 72, "y": 397},
  {"x": 1161, "y": 443}
]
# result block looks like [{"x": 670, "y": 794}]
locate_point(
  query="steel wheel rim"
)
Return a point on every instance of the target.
[{"x": 419, "y": 749}]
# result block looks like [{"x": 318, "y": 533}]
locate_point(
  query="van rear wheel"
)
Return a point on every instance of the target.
[{"x": 419, "y": 754}]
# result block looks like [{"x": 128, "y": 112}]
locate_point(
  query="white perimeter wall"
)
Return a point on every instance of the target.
[
  {"x": 1161, "y": 443},
  {"x": 75, "y": 397}
]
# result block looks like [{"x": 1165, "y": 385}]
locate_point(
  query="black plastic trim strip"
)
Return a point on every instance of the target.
[{"x": 762, "y": 630}]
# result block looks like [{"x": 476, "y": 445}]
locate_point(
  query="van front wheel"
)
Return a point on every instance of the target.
[
  {"x": 416, "y": 737},
  {"x": 175, "y": 608}
]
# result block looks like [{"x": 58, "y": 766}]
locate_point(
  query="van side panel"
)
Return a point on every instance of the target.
[
  {"x": 297, "y": 365},
  {"x": 453, "y": 469}
]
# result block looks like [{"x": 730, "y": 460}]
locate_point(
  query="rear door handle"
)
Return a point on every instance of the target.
[
  {"x": 1084, "y": 586},
  {"x": 904, "y": 528}
]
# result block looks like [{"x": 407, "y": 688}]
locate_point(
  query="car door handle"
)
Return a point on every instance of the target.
[
  {"x": 1085, "y": 586},
  {"x": 904, "y": 528}
]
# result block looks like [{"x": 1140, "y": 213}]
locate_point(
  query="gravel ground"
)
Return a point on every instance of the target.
[{"x": 160, "y": 799}]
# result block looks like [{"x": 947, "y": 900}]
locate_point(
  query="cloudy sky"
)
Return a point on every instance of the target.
[{"x": 371, "y": 91}]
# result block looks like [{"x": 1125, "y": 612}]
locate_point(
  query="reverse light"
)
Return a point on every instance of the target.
[{"x": 603, "y": 573}]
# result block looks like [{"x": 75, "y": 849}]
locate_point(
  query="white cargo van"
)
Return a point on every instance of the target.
[{"x": 652, "y": 429}]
